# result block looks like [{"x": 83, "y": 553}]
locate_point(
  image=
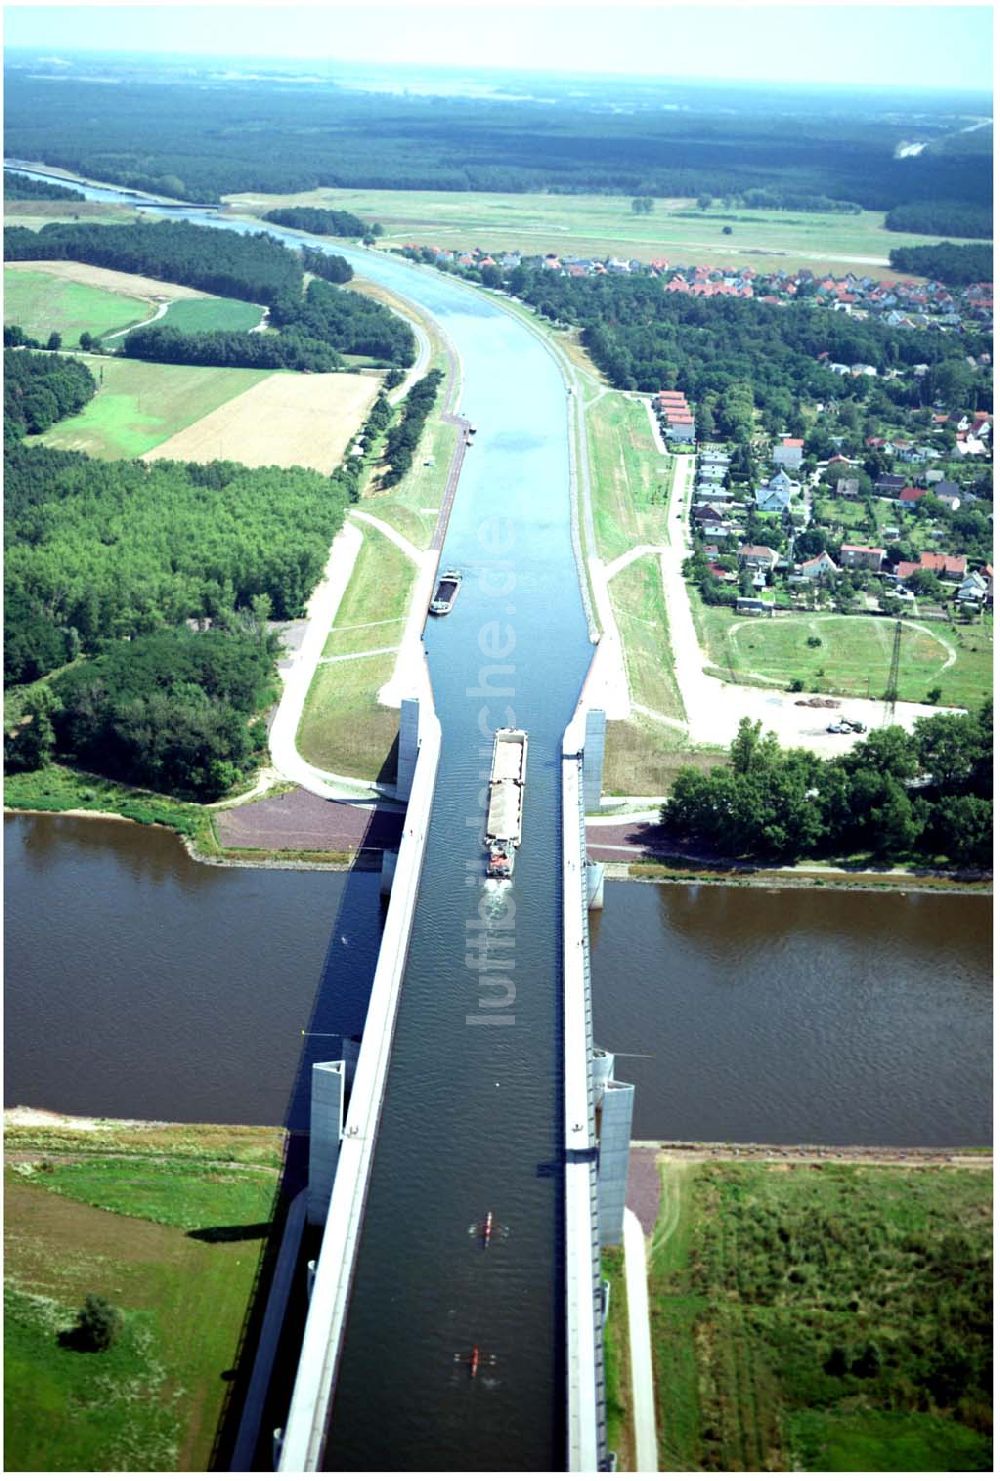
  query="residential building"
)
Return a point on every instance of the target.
[
  {"x": 951, "y": 567},
  {"x": 817, "y": 567},
  {"x": 861, "y": 557},
  {"x": 758, "y": 557},
  {"x": 788, "y": 452},
  {"x": 772, "y": 501},
  {"x": 753, "y": 607}
]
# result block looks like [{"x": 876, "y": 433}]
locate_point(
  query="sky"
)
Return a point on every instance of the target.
[{"x": 912, "y": 45}]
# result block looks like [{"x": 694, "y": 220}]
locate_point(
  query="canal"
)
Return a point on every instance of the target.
[{"x": 829, "y": 1017}]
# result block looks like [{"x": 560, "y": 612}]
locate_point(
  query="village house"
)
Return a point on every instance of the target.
[
  {"x": 753, "y": 607},
  {"x": 772, "y": 501},
  {"x": 951, "y": 567},
  {"x": 816, "y": 568},
  {"x": 973, "y": 589},
  {"x": 861, "y": 557},
  {"x": 758, "y": 557},
  {"x": 788, "y": 452}
]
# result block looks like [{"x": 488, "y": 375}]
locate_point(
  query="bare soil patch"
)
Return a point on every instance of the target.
[
  {"x": 286, "y": 421},
  {"x": 110, "y": 280}
]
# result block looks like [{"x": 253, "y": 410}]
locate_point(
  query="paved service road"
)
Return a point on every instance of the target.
[{"x": 640, "y": 1348}]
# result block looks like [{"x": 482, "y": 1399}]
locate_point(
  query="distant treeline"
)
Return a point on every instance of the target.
[
  {"x": 942, "y": 218},
  {"x": 894, "y": 796},
  {"x": 401, "y": 443},
  {"x": 23, "y": 188},
  {"x": 791, "y": 200},
  {"x": 40, "y": 389},
  {"x": 735, "y": 357},
  {"x": 229, "y": 347},
  {"x": 946, "y": 262},
  {"x": 253, "y": 267},
  {"x": 321, "y": 223},
  {"x": 327, "y": 265},
  {"x": 200, "y": 143}
]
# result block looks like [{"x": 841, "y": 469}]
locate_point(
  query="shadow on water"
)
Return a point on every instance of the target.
[{"x": 338, "y": 1012}]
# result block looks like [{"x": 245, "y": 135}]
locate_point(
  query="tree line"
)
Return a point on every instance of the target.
[
  {"x": 735, "y": 356},
  {"x": 401, "y": 443},
  {"x": 200, "y": 143},
  {"x": 947, "y": 262},
  {"x": 40, "y": 389},
  {"x": 17, "y": 187},
  {"x": 319, "y": 222},
  {"x": 351, "y": 322},
  {"x": 254, "y": 267},
  {"x": 893, "y": 797},
  {"x": 231, "y": 347},
  {"x": 942, "y": 218}
]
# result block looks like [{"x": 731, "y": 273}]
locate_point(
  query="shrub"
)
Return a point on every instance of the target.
[{"x": 98, "y": 1324}]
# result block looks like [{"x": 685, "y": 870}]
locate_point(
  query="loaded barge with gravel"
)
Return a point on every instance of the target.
[{"x": 506, "y": 800}]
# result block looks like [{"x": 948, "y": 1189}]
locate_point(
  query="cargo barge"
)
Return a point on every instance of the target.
[
  {"x": 506, "y": 800},
  {"x": 445, "y": 593}
]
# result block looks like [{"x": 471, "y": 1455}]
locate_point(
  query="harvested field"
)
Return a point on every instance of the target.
[
  {"x": 131, "y": 284},
  {"x": 286, "y": 421}
]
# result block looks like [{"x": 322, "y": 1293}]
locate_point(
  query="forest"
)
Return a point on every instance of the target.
[
  {"x": 22, "y": 188},
  {"x": 942, "y": 218},
  {"x": 198, "y": 141},
  {"x": 895, "y": 797},
  {"x": 320, "y": 223},
  {"x": 734, "y": 355},
  {"x": 40, "y": 389},
  {"x": 946, "y": 262},
  {"x": 254, "y": 267},
  {"x": 350, "y": 322},
  {"x": 287, "y": 351},
  {"x": 110, "y": 568}
]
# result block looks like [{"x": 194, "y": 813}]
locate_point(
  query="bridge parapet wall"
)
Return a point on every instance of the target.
[{"x": 304, "y": 1439}]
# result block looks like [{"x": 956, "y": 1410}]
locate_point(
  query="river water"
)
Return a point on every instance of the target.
[{"x": 137, "y": 978}]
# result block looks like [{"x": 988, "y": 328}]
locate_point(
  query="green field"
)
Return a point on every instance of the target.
[
  {"x": 344, "y": 729},
  {"x": 42, "y": 303},
  {"x": 629, "y": 477},
  {"x": 617, "y": 1366},
  {"x": 374, "y": 606},
  {"x": 601, "y": 225},
  {"x": 809, "y": 1317},
  {"x": 140, "y": 404},
  {"x": 202, "y": 315},
  {"x": 35, "y": 214},
  {"x": 853, "y": 655},
  {"x": 153, "y": 1400},
  {"x": 642, "y": 758},
  {"x": 637, "y": 597}
]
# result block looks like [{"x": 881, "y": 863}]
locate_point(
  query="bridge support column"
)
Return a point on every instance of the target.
[
  {"x": 593, "y": 759},
  {"x": 326, "y": 1127},
  {"x": 595, "y": 885},
  {"x": 613, "y": 1102},
  {"x": 409, "y": 745}
]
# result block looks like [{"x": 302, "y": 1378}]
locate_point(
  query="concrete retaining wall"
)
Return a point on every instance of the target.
[{"x": 305, "y": 1432}]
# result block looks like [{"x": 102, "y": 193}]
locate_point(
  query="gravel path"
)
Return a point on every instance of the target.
[
  {"x": 643, "y": 1191},
  {"x": 300, "y": 820}
]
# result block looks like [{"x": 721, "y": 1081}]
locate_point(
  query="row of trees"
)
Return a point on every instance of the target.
[
  {"x": 947, "y": 262},
  {"x": 40, "y": 389},
  {"x": 401, "y": 443},
  {"x": 230, "y": 347},
  {"x": 894, "y": 796},
  {"x": 942, "y": 218}
]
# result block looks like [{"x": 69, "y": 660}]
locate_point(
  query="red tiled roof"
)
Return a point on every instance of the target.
[
  {"x": 792, "y": 442},
  {"x": 863, "y": 549},
  {"x": 945, "y": 565},
  {"x": 910, "y": 495}
]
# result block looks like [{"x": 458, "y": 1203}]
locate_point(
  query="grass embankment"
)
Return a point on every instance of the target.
[
  {"x": 167, "y": 1223},
  {"x": 35, "y": 214},
  {"x": 642, "y": 757},
  {"x": 374, "y": 606},
  {"x": 43, "y": 304},
  {"x": 822, "y": 1317},
  {"x": 601, "y": 226},
  {"x": 641, "y": 612},
  {"x": 617, "y": 1366},
  {"x": 55, "y": 788},
  {"x": 852, "y": 655},
  {"x": 630, "y": 478},
  {"x": 139, "y": 404}
]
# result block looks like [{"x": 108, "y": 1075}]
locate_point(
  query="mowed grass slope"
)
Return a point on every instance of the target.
[
  {"x": 373, "y": 608},
  {"x": 140, "y": 404},
  {"x": 641, "y": 612},
  {"x": 602, "y": 225},
  {"x": 629, "y": 477},
  {"x": 823, "y": 1317},
  {"x": 852, "y": 655},
  {"x": 177, "y": 1257},
  {"x": 43, "y": 304}
]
